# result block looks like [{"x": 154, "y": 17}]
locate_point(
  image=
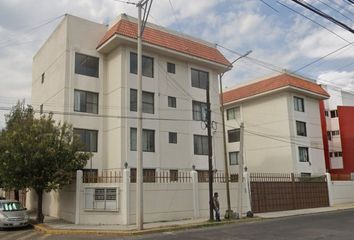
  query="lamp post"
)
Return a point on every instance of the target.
[{"x": 228, "y": 211}]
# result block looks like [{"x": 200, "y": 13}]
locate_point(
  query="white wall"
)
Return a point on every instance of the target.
[{"x": 342, "y": 192}]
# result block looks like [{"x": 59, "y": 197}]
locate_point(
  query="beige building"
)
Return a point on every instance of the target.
[
  {"x": 281, "y": 115},
  {"x": 85, "y": 73}
]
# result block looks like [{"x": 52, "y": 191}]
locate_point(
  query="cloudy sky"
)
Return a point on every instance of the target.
[{"x": 278, "y": 37}]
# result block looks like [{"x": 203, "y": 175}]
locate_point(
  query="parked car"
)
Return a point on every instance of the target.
[{"x": 12, "y": 214}]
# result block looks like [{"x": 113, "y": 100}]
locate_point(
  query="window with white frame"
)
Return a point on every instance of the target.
[
  {"x": 88, "y": 139},
  {"x": 304, "y": 154},
  {"x": 233, "y": 113},
  {"x": 86, "y": 65},
  {"x": 301, "y": 128},
  {"x": 233, "y": 135},
  {"x": 102, "y": 199},
  {"x": 199, "y": 111},
  {"x": 299, "y": 104},
  {"x": 148, "y": 101},
  {"x": 200, "y": 78},
  {"x": 172, "y": 102},
  {"x": 334, "y": 113},
  {"x": 85, "y": 101},
  {"x": 147, "y": 65},
  {"x": 200, "y": 145},
  {"x": 233, "y": 158},
  {"x": 148, "y": 140}
]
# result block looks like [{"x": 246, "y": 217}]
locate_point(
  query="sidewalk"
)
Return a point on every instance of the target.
[
  {"x": 58, "y": 226},
  {"x": 305, "y": 211}
]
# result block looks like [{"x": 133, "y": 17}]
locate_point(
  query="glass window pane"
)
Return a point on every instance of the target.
[
  {"x": 133, "y": 63},
  {"x": 148, "y": 66},
  {"x": 233, "y": 135},
  {"x": 133, "y": 139},
  {"x": 195, "y": 78},
  {"x": 86, "y": 65},
  {"x": 233, "y": 158},
  {"x": 133, "y": 100}
]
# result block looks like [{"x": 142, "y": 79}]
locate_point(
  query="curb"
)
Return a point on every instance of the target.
[{"x": 44, "y": 228}]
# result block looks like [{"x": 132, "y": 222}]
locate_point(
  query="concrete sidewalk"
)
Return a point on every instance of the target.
[
  {"x": 305, "y": 211},
  {"x": 58, "y": 226}
]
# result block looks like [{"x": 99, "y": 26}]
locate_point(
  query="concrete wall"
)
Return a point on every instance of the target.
[
  {"x": 342, "y": 192},
  {"x": 59, "y": 204}
]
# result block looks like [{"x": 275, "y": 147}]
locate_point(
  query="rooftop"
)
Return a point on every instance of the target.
[
  {"x": 275, "y": 83},
  {"x": 161, "y": 37}
]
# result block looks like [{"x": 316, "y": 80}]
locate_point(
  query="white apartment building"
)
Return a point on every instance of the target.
[
  {"x": 85, "y": 73},
  {"x": 282, "y": 127}
]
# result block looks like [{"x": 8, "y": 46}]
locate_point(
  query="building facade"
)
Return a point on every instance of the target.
[
  {"x": 282, "y": 130},
  {"x": 85, "y": 73},
  {"x": 338, "y": 130}
]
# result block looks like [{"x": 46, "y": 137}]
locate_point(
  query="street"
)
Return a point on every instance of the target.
[{"x": 334, "y": 225}]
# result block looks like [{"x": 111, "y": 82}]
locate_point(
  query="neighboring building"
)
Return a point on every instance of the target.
[
  {"x": 86, "y": 74},
  {"x": 281, "y": 115},
  {"x": 338, "y": 130}
]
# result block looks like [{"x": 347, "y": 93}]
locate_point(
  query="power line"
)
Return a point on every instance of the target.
[
  {"x": 275, "y": 10},
  {"x": 336, "y": 10},
  {"x": 324, "y": 15}
]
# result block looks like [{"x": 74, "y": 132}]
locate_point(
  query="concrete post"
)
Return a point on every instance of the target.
[
  {"x": 330, "y": 190},
  {"x": 125, "y": 196},
  {"x": 194, "y": 175},
  {"x": 247, "y": 192},
  {"x": 79, "y": 175}
]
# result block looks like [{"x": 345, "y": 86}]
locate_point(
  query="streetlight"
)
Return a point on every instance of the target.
[{"x": 228, "y": 211}]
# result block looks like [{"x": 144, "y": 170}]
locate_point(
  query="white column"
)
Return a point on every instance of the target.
[
  {"x": 330, "y": 190},
  {"x": 125, "y": 196},
  {"x": 194, "y": 175},
  {"x": 247, "y": 192},
  {"x": 78, "y": 195}
]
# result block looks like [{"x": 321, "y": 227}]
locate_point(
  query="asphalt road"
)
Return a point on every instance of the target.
[{"x": 333, "y": 225}]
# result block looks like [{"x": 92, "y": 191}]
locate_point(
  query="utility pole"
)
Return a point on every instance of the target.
[
  {"x": 210, "y": 153},
  {"x": 240, "y": 169},
  {"x": 139, "y": 131},
  {"x": 222, "y": 108}
]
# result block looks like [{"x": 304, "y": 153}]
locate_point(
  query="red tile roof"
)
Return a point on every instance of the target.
[
  {"x": 166, "y": 40},
  {"x": 273, "y": 83}
]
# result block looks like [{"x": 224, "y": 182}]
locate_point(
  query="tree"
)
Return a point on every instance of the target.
[{"x": 37, "y": 153}]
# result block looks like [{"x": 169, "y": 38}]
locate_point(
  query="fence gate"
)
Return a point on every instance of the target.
[{"x": 281, "y": 192}]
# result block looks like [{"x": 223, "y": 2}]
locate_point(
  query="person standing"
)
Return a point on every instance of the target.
[{"x": 216, "y": 206}]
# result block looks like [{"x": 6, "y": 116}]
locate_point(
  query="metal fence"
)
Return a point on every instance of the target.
[
  {"x": 341, "y": 177},
  {"x": 280, "y": 192},
  {"x": 104, "y": 176}
]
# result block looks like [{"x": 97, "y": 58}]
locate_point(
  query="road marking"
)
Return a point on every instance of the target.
[
  {"x": 28, "y": 236},
  {"x": 13, "y": 235},
  {"x": 44, "y": 236}
]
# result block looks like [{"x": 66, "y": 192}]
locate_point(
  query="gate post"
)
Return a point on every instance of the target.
[
  {"x": 125, "y": 196},
  {"x": 79, "y": 175},
  {"x": 194, "y": 175},
  {"x": 293, "y": 189},
  {"x": 330, "y": 190}
]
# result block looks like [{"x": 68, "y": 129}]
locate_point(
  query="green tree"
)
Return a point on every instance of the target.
[{"x": 37, "y": 153}]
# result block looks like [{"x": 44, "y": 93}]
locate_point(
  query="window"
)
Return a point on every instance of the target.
[
  {"x": 304, "y": 174},
  {"x": 147, "y": 62},
  {"x": 301, "y": 128},
  {"x": 303, "y": 154},
  {"x": 85, "y": 102},
  {"x": 334, "y": 113},
  {"x": 330, "y": 154},
  {"x": 148, "y": 175},
  {"x": 335, "y": 133},
  {"x": 171, "y": 67},
  {"x": 148, "y": 140},
  {"x": 42, "y": 78},
  {"x": 172, "y": 137},
  {"x": 299, "y": 104},
  {"x": 41, "y": 109},
  {"x": 88, "y": 138},
  {"x": 101, "y": 199},
  {"x": 233, "y": 158},
  {"x": 329, "y": 135},
  {"x": 173, "y": 175},
  {"x": 148, "y": 101},
  {"x": 233, "y": 113},
  {"x": 200, "y": 145},
  {"x": 233, "y": 135},
  {"x": 199, "y": 78},
  {"x": 86, "y": 65},
  {"x": 199, "y": 111},
  {"x": 326, "y": 113},
  {"x": 337, "y": 154},
  {"x": 172, "y": 102}
]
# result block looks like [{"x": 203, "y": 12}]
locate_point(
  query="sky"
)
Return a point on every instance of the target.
[{"x": 279, "y": 38}]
